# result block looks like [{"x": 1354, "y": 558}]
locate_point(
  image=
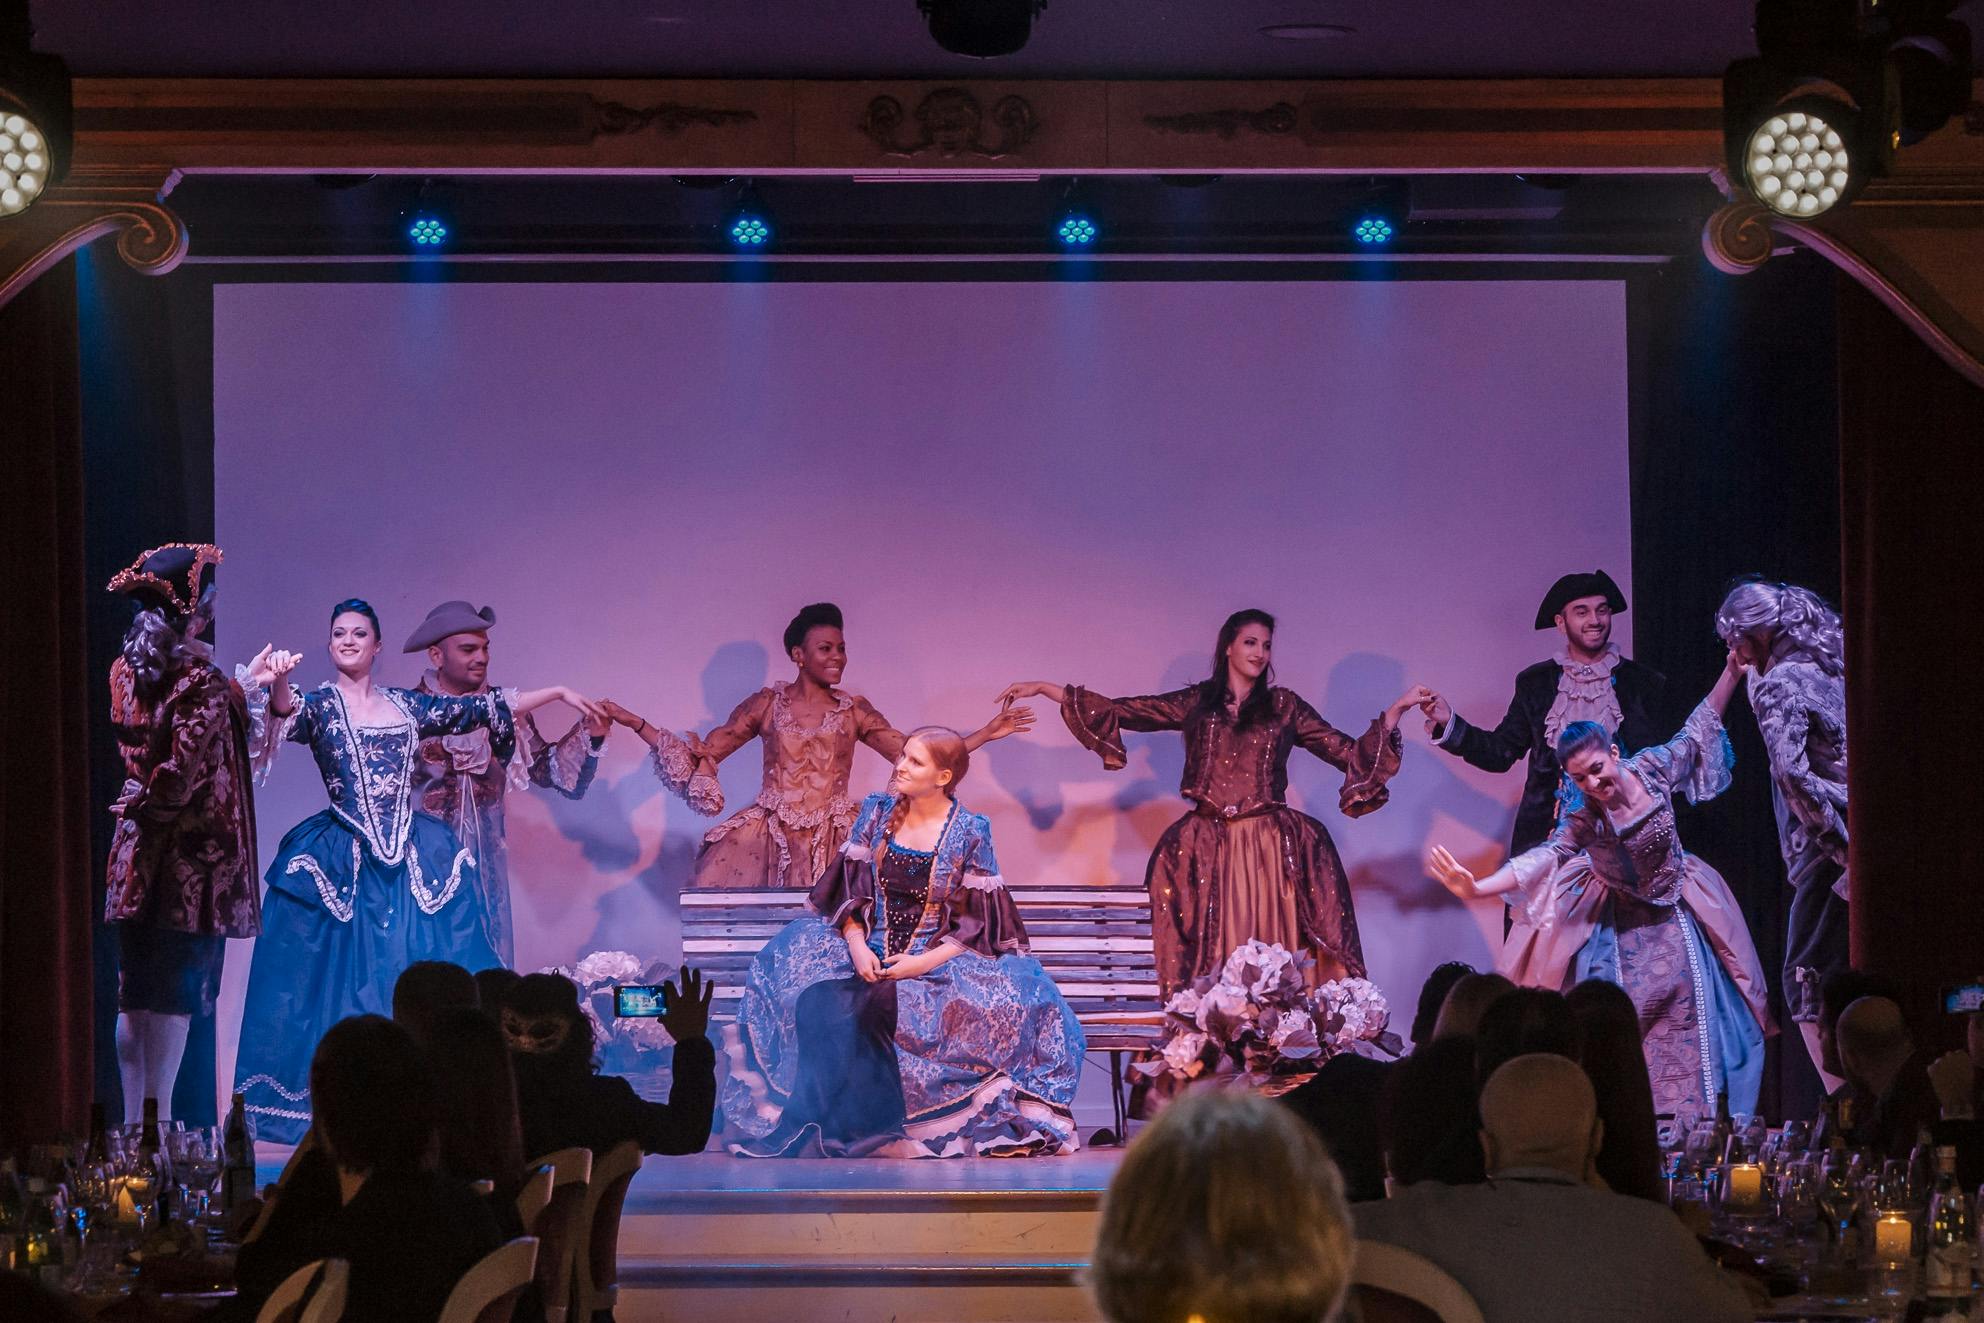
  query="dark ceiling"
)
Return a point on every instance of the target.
[{"x": 887, "y": 38}]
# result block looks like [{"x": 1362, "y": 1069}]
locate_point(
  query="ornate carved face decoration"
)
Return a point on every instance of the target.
[
  {"x": 538, "y": 1035},
  {"x": 950, "y": 118}
]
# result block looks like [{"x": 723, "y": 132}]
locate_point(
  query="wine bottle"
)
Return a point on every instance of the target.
[
  {"x": 237, "y": 1181},
  {"x": 1947, "y": 1269}
]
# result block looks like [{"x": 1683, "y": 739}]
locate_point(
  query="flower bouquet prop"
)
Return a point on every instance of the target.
[
  {"x": 1261, "y": 1024},
  {"x": 631, "y": 1046}
]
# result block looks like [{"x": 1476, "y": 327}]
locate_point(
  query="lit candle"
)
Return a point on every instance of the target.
[
  {"x": 1744, "y": 1192},
  {"x": 1894, "y": 1237},
  {"x": 124, "y": 1208}
]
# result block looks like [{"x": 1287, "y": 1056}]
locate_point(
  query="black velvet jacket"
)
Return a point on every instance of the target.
[{"x": 1644, "y": 721}]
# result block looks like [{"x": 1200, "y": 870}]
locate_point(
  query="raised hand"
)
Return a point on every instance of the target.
[
  {"x": 620, "y": 715},
  {"x": 1450, "y": 873},
  {"x": 1438, "y": 713},
  {"x": 1010, "y": 721},
  {"x": 589, "y": 709},
  {"x": 270, "y": 666},
  {"x": 687, "y": 1005},
  {"x": 1030, "y": 689},
  {"x": 1417, "y": 696}
]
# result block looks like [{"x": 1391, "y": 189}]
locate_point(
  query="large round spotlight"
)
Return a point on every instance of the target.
[
  {"x": 23, "y": 163},
  {"x": 1797, "y": 163}
]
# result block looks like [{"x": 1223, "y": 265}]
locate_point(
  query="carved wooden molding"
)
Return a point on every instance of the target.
[
  {"x": 88, "y": 204},
  {"x": 950, "y": 122},
  {"x": 1227, "y": 122}
]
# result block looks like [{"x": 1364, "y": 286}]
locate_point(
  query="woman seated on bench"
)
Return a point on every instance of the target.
[{"x": 905, "y": 1018}]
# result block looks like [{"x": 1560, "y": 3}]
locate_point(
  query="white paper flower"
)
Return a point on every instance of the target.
[
  {"x": 1224, "y": 1011},
  {"x": 607, "y": 967},
  {"x": 1360, "y": 1005},
  {"x": 1183, "y": 1052},
  {"x": 1294, "y": 1036},
  {"x": 1184, "y": 1002}
]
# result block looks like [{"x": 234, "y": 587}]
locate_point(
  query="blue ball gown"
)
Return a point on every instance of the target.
[
  {"x": 980, "y": 1056},
  {"x": 357, "y": 892}
]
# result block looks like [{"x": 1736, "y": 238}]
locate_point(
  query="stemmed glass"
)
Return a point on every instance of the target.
[
  {"x": 195, "y": 1164},
  {"x": 1839, "y": 1195}
]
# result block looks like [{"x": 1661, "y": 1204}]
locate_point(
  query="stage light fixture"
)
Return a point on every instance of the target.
[
  {"x": 749, "y": 225},
  {"x": 34, "y": 116},
  {"x": 1835, "y": 88},
  {"x": 426, "y": 231},
  {"x": 982, "y": 29},
  {"x": 1372, "y": 230}
]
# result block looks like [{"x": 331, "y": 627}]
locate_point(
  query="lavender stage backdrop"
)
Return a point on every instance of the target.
[{"x": 1071, "y": 481}]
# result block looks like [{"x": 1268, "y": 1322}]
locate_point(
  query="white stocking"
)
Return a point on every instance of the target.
[
  {"x": 131, "y": 1062},
  {"x": 165, "y": 1047}
]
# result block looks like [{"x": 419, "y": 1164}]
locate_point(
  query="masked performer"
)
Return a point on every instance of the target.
[
  {"x": 1243, "y": 864},
  {"x": 808, "y": 730},
  {"x": 1798, "y": 692},
  {"x": 368, "y": 886},
  {"x": 461, "y": 779},
  {"x": 905, "y": 1017},
  {"x": 1588, "y": 680},
  {"x": 181, "y": 875},
  {"x": 1612, "y": 894}
]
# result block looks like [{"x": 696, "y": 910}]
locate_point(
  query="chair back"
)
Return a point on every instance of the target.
[
  {"x": 596, "y": 1279},
  {"x": 488, "y": 1292},
  {"x": 558, "y": 1228},
  {"x": 533, "y": 1197},
  {"x": 293, "y": 1302},
  {"x": 1394, "y": 1285}
]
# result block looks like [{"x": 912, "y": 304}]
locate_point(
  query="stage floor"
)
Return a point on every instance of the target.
[{"x": 720, "y": 1177}]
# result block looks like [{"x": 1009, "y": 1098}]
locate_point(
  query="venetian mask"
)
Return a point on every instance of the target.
[{"x": 538, "y": 1035}]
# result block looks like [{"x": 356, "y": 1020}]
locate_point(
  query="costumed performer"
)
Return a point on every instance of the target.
[
  {"x": 1243, "y": 864},
  {"x": 461, "y": 779},
  {"x": 904, "y": 1017},
  {"x": 1614, "y": 895},
  {"x": 1589, "y": 679},
  {"x": 808, "y": 729},
  {"x": 180, "y": 879},
  {"x": 1798, "y": 692},
  {"x": 368, "y": 886}
]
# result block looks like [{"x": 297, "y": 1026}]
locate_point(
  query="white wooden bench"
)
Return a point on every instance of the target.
[{"x": 1093, "y": 941}]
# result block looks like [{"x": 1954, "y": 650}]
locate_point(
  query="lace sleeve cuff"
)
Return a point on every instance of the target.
[
  {"x": 1711, "y": 770},
  {"x": 674, "y": 763},
  {"x": 266, "y": 731}
]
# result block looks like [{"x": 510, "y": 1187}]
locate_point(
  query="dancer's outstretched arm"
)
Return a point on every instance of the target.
[{"x": 1450, "y": 873}]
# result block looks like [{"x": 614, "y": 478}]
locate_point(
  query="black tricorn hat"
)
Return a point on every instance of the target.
[
  {"x": 1573, "y": 586},
  {"x": 171, "y": 577}
]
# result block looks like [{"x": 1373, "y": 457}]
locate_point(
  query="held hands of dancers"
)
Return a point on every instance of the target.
[
  {"x": 1456, "y": 877},
  {"x": 1417, "y": 696},
  {"x": 268, "y": 670},
  {"x": 1032, "y": 689}
]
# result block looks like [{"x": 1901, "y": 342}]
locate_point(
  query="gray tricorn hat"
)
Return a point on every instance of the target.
[{"x": 449, "y": 618}]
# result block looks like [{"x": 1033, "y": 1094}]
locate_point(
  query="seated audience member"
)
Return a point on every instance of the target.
[
  {"x": 493, "y": 987},
  {"x": 409, "y": 1234},
  {"x": 428, "y": 990},
  {"x": 1837, "y": 991},
  {"x": 1880, "y": 1059},
  {"x": 1518, "y": 1022},
  {"x": 565, "y": 1103},
  {"x": 481, "y": 1137},
  {"x": 1428, "y": 1102},
  {"x": 1614, "y": 1059},
  {"x": 1340, "y": 1101},
  {"x": 1955, "y": 1079},
  {"x": 1537, "y": 1240},
  {"x": 1225, "y": 1210},
  {"x": 1460, "y": 1014}
]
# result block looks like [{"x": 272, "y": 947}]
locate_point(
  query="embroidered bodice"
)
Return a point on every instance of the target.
[
  {"x": 902, "y": 892},
  {"x": 806, "y": 767},
  {"x": 1642, "y": 856},
  {"x": 368, "y": 769},
  {"x": 1233, "y": 769}
]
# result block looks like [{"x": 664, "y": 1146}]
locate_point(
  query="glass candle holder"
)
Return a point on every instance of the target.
[
  {"x": 1894, "y": 1239},
  {"x": 1743, "y": 1190}
]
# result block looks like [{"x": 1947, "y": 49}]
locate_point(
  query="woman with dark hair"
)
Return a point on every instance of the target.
[
  {"x": 1609, "y": 1051},
  {"x": 476, "y": 1089},
  {"x": 808, "y": 730},
  {"x": 1243, "y": 864},
  {"x": 1798, "y": 691},
  {"x": 1613, "y": 895},
  {"x": 905, "y": 1017},
  {"x": 565, "y": 1103},
  {"x": 369, "y": 886},
  {"x": 181, "y": 878}
]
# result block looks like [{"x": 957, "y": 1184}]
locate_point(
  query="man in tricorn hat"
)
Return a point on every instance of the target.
[
  {"x": 461, "y": 779},
  {"x": 1588, "y": 680}
]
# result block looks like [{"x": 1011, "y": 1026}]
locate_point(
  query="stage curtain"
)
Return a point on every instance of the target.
[
  {"x": 1911, "y": 442},
  {"x": 45, "y": 891},
  {"x": 1734, "y": 470}
]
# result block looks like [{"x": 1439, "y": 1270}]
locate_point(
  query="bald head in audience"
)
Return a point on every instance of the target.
[
  {"x": 1540, "y": 1111},
  {"x": 1467, "y": 1001},
  {"x": 1874, "y": 1042}
]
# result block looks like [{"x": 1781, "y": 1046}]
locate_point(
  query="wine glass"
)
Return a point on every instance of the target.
[
  {"x": 1840, "y": 1195},
  {"x": 1798, "y": 1194},
  {"x": 144, "y": 1177},
  {"x": 195, "y": 1164}
]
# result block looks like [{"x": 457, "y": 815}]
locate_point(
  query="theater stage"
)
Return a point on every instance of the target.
[{"x": 720, "y": 1239}]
